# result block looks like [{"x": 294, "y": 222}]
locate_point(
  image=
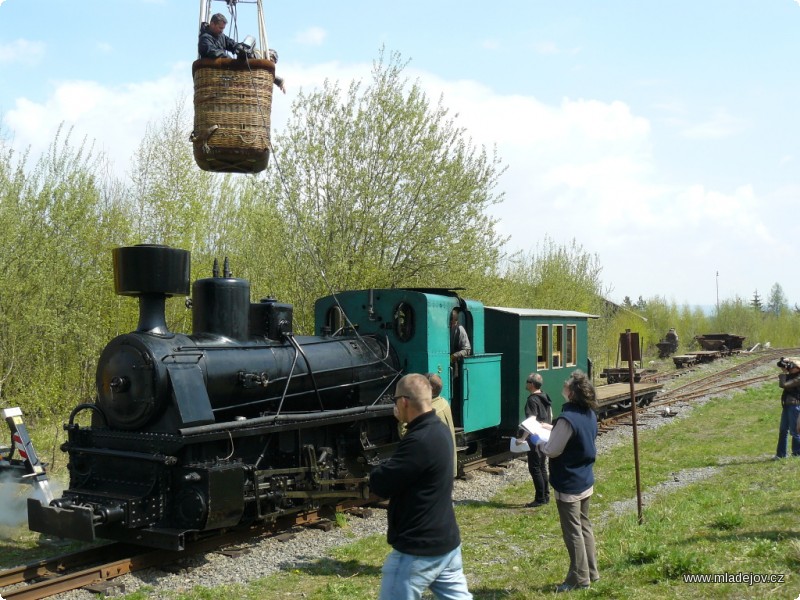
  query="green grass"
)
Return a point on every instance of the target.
[{"x": 743, "y": 518}]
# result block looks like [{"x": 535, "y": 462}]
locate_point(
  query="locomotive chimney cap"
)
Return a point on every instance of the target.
[{"x": 147, "y": 269}]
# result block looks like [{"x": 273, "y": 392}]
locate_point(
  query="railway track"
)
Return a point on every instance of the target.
[
  {"x": 711, "y": 384},
  {"x": 95, "y": 567}
]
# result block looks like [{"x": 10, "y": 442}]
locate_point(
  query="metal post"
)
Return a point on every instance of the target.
[{"x": 635, "y": 428}]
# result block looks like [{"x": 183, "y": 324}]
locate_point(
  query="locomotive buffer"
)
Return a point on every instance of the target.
[{"x": 27, "y": 468}]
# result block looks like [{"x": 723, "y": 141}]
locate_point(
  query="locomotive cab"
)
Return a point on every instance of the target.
[{"x": 417, "y": 324}]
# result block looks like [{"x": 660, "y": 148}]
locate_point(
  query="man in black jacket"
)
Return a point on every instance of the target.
[
  {"x": 538, "y": 405},
  {"x": 212, "y": 43},
  {"x": 789, "y": 381},
  {"x": 418, "y": 480}
]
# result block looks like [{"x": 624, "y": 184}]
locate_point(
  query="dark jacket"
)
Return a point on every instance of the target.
[
  {"x": 418, "y": 480},
  {"x": 791, "y": 389},
  {"x": 539, "y": 405},
  {"x": 209, "y": 46},
  {"x": 572, "y": 472}
]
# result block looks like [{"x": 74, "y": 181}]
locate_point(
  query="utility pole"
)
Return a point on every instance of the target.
[{"x": 717, "y": 293}]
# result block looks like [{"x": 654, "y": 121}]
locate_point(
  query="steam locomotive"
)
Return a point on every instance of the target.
[{"x": 242, "y": 421}]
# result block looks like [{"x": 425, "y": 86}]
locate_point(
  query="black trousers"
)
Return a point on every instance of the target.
[{"x": 537, "y": 467}]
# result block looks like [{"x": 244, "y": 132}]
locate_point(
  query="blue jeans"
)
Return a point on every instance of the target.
[
  {"x": 789, "y": 416},
  {"x": 406, "y": 576}
]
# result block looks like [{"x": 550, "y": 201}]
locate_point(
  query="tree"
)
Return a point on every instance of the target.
[
  {"x": 554, "y": 276},
  {"x": 777, "y": 303},
  {"x": 378, "y": 187},
  {"x": 756, "y": 302},
  {"x": 174, "y": 200},
  {"x": 55, "y": 287}
]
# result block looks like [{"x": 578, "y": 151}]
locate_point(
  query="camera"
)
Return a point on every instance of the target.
[{"x": 786, "y": 364}]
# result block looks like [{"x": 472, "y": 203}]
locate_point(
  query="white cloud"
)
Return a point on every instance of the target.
[
  {"x": 104, "y": 47},
  {"x": 579, "y": 169},
  {"x": 720, "y": 124},
  {"x": 22, "y": 51},
  {"x": 546, "y": 48},
  {"x": 313, "y": 36},
  {"x": 584, "y": 169},
  {"x": 114, "y": 117}
]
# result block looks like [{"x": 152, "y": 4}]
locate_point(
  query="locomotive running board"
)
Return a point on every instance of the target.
[{"x": 75, "y": 523}]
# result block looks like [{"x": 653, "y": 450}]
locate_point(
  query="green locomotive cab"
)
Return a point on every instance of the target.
[{"x": 417, "y": 325}]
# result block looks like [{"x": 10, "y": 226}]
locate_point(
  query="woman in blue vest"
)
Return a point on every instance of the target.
[{"x": 572, "y": 452}]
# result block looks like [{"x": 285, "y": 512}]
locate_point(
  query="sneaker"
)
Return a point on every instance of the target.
[
  {"x": 776, "y": 457},
  {"x": 535, "y": 504},
  {"x": 568, "y": 587}
]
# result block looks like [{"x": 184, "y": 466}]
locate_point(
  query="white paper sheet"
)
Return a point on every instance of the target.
[
  {"x": 531, "y": 425},
  {"x": 517, "y": 447}
]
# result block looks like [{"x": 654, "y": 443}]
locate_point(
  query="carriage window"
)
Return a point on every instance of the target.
[
  {"x": 572, "y": 346},
  {"x": 558, "y": 338},
  {"x": 334, "y": 319},
  {"x": 404, "y": 321},
  {"x": 542, "y": 347}
]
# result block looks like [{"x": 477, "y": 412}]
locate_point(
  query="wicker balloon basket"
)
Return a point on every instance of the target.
[{"x": 232, "y": 105}]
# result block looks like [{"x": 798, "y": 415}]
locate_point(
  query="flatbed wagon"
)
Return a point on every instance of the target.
[
  {"x": 723, "y": 342},
  {"x": 619, "y": 394},
  {"x": 684, "y": 360},
  {"x": 623, "y": 374},
  {"x": 706, "y": 356}
]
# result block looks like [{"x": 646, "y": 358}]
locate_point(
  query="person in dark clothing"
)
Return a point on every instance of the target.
[
  {"x": 572, "y": 453},
  {"x": 213, "y": 43},
  {"x": 789, "y": 381},
  {"x": 418, "y": 480},
  {"x": 459, "y": 348},
  {"x": 539, "y": 406},
  {"x": 459, "y": 340}
]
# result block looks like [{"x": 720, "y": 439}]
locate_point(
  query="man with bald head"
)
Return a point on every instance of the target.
[{"x": 418, "y": 480}]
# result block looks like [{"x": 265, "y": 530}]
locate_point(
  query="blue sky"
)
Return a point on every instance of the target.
[{"x": 661, "y": 136}]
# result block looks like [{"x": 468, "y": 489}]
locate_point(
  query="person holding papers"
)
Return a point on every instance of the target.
[
  {"x": 538, "y": 405},
  {"x": 572, "y": 451}
]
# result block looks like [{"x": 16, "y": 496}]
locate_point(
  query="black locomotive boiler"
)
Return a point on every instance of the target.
[{"x": 240, "y": 421}]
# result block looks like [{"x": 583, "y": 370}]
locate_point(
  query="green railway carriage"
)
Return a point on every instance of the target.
[{"x": 552, "y": 343}]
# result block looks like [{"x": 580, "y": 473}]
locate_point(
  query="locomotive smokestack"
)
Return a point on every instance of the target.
[
  {"x": 151, "y": 273},
  {"x": 152, "y": 314}
]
